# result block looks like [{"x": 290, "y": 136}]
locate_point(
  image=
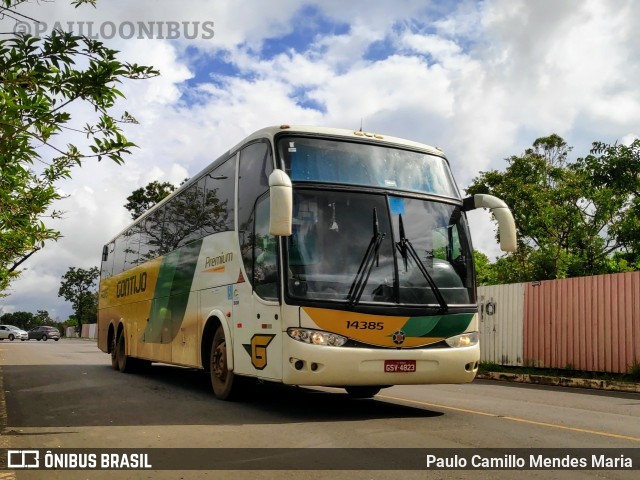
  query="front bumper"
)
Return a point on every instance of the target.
[{"x": 307, "y": 364}]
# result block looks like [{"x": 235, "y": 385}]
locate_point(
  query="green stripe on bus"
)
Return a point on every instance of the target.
[
  {"x": 438, "y": 325},
  {"x": 172, "y": 293}
]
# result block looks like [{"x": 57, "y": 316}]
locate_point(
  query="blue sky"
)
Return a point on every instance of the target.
[
  {"x": 482, "y": 80},
  {"x": 308, "y": 24}
]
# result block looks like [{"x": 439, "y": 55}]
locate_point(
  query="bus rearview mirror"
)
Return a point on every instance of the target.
[
  {"x": 281, "y": 204},
  {"x": 500, "y": 210}
]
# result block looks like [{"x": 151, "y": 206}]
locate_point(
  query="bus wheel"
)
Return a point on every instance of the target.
[
  {"x": 362, "y": 392},
  {"x": 114, "y": 353},
  {"x": 221, "y": 377},
  {"x": 125, "y": 363}
]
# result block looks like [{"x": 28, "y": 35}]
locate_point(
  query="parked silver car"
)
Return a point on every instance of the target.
[{"x": 11, "y": 333}]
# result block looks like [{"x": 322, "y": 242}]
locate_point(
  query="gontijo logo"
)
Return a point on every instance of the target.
[
  {"x": 131, "y": 285},
  {"x": 258, "y": 350}
]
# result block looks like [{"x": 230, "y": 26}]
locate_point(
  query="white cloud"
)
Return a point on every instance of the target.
[
  {"x": 629, "y": 139},
  {"x": 440, "y": 48}
]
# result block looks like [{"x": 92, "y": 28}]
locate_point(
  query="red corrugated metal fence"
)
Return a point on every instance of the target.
[{"x": 586, "y": 323}]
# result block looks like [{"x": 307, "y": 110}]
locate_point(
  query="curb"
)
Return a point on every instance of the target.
[{"x": 609, "y": 385}]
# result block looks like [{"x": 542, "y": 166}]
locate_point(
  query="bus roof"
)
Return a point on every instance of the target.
[{"x": 271, "y": 132}]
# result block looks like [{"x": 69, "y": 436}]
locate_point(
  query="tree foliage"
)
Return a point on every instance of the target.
[
  {"x": 27, "y": 320},
  {"x": 572, "y": 219},
  {"x": 485, "y": 270},
  {"x": 615, "y": 172},
  {"x": 41, "y": 79},
  {"x": 78, "y": 287}
]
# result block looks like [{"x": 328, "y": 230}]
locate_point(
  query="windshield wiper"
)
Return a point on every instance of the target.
[
  {"x": 406, "y": 250},
  {"x": 370, "y": 256}
]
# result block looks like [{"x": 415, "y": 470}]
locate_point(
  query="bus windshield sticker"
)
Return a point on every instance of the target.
[{"x": 397, "y": 205}]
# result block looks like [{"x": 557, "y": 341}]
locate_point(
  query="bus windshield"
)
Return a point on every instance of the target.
[
  {"x": 333, "y": 234},
  {"x": 333, "y": 161}
]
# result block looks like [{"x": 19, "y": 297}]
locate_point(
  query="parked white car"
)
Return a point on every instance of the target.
[{"x": 11, "y": 333}]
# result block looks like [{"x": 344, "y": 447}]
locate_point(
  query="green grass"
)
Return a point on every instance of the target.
[{"x": 632, "y": 375}]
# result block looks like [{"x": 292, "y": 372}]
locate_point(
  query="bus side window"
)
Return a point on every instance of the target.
[
  {"x": 152, "y": 240},
  {"x": 265, "y": 265},
  {"x": 119, "y": 255},
  {"x": 186, "y": 212},
  {"x": 106, "y": 269},
  {"x": 256, "y": 164},
  {"x": 246, "y": 248},
  {"x": 131, "y": 248},
  {"x": 218, "y": 198}
]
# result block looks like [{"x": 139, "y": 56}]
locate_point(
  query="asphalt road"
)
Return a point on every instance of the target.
[{"x": 66, "y": 395}]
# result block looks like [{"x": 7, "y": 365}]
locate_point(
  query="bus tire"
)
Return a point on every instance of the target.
[
  {"x": 362, "y": 392},
  {"x": 222, "y": 379},
  {"x": 114, "y": 353},
  {"x": 125, "y": 362}
]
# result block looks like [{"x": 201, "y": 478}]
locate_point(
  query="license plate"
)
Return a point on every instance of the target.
[{"x": 399, "y": 366}]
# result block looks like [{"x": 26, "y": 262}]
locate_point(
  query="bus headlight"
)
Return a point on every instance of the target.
[
  {"x": 464, "y": 340},
  {"x": 316, "y": 337}
]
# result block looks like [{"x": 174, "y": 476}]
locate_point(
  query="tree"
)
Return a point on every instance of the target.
[
  {"x": 23, "y": 320},
  {"x": 485, "y": 270},
  {"x": 27, "y": 320},
  {"x": 78, "y": 287},
  {"x": 144, "y": 198},
  {"x": 564, "y": 218},
  {"x": 615, "y": 171},
  {"x": 42, "y": 318},
  {"x": 41, "y": 79}
]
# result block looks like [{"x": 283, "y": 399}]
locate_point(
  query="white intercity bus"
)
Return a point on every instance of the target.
[{"x": 305, "y": 256}]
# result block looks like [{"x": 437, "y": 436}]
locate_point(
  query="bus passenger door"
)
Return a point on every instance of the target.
[
  {"x": 257, "y": 339},
  {"x": 256, "y": 310}
]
